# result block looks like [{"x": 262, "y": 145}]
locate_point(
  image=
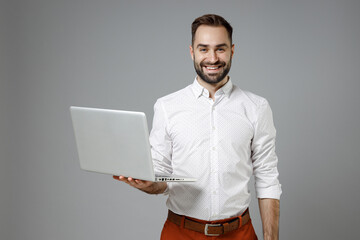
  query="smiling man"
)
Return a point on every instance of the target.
[
  {"x": 212, "y": 52},
  {"x": 221, "y": 135}
]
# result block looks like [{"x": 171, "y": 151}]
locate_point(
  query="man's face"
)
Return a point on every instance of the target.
[{"x": 212, "y": 53}]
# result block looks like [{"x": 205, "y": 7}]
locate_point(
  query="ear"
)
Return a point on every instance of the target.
[
  {"x": 191, "y": 52},
  {"x": 232, "y": 50}
]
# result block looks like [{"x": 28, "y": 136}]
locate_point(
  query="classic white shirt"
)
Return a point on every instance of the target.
[{"x": 222, "y": 143}]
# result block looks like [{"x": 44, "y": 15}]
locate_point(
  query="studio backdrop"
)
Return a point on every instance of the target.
[{"x": 302, "y": 56}]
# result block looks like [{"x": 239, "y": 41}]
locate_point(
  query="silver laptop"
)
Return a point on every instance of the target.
[{"x": 115, "y": 142}]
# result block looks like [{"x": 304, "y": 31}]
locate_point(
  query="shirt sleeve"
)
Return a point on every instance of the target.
[
  {"x": 160, "y": 141},
  {"x": 263, "y": 155}
]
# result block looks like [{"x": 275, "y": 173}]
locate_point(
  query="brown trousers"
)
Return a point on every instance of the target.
[{"x": 171, "y": 231}]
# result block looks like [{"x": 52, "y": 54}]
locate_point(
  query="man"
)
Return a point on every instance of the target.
[{"x": 221, "y": 135}]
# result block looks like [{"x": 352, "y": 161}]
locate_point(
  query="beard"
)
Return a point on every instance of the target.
[{"x": 212, "y": 78}]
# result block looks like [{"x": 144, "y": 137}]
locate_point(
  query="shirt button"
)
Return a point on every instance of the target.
[
  {"x": 213, "y": 148},
  {"x": 213, "y": 128}
]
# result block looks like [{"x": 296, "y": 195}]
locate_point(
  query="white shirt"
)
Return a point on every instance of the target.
[{"x": 220, "y": 142}]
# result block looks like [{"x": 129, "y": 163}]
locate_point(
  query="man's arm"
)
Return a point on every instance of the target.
[
  {"x": 145, "y": 186},
  {"x": 270, "y": 213},
  {"x": 267, "y": 186}
]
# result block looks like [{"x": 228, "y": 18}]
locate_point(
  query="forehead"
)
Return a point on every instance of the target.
[{"x": 211, "y": 35}]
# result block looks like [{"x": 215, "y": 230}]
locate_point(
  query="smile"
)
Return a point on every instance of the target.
[{"x": 213, "y": 68}]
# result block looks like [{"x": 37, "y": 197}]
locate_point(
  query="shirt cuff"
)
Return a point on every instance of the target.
[
  {"x": 166, "y": 192},
  {"x": 273, "y": 192}
]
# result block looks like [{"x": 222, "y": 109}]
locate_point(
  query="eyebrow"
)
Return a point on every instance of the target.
[{"x": 206, "y": 45}]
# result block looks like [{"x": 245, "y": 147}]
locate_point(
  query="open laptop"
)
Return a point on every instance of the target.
[{"x": 116, "y": 142}]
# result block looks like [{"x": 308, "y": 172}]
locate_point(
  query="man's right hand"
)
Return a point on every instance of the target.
[{"x": 145, "y": 186}]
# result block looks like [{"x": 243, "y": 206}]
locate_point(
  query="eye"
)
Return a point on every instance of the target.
[
  {"x": 220, "y": 49},
  {"x": 202, "y": 50}
]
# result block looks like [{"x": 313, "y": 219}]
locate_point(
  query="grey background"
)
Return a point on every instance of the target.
[{"x": 303, "y": 56}]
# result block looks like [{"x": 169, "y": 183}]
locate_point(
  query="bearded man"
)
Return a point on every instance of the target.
[{"x": 221, "y": 135}]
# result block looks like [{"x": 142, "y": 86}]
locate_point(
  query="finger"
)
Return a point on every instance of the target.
[
  {"x": 139, "y": 182},
  {"x": 121, "y": 179},
  {"x": 131, "y": 181},
  {"x": 125, "y": 179}
]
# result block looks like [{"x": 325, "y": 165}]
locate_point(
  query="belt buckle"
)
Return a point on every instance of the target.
[{"x": 211, "y": 225}]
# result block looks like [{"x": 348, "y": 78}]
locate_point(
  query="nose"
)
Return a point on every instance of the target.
[{"x": 213, "y": 57}]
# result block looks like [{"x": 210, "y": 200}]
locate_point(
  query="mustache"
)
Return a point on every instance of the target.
[{"x": 217, "y": 63}]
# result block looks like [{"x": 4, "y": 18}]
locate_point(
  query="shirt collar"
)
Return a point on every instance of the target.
[{"x": 200, "y": 90}]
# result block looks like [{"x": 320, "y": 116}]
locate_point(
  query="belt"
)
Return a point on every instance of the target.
[{"x": 211, "y": 228}]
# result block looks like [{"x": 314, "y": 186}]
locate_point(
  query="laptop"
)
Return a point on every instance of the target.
[{"x": 116, "y": 142}]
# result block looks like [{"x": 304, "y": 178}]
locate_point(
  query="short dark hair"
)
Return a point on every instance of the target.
[{"x": 210, "y": 20}]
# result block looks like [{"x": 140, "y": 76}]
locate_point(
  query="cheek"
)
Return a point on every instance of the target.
[
  {"x": 198, "y": 60},
  {"x": 226, "y": 58}
]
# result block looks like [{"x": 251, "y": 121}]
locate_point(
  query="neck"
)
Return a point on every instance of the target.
[{"x": 212, "y": 87}]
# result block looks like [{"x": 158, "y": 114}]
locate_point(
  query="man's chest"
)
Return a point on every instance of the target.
[{"x": 208, "y": 126}]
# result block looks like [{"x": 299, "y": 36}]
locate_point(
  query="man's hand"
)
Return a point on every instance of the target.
[
  {"x": 145, "y": 186},
  {"x": 270, "y": 213}
]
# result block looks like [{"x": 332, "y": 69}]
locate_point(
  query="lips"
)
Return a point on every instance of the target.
[{"x": 212, "y": 67}]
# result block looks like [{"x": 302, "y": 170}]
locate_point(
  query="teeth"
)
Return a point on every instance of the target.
[{"x": 212, "y": 68}]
